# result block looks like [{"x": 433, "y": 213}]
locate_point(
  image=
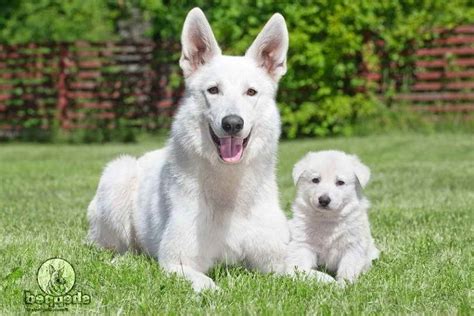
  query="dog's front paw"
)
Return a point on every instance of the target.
[
  {"x": 341, "y": 283},
  {"x": 322, "y": 277},
  {"x": 347, "y": 275},
  {"x": 203, "y": 283}
]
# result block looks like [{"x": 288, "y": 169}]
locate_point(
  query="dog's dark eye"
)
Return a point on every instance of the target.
[
  {"x": 213, "y": 90},
  {"x": 315, "y": 180},
  {"x": 251, "y": 92},
  {"x": 340, "y": 182}
]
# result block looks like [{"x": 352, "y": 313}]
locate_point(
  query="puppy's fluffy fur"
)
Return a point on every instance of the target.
[{"x": 336, "y": 235}]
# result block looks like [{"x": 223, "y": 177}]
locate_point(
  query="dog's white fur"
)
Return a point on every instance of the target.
[
  {"x": 337, "y": 236},
  {"x": 182, "y": 204}
]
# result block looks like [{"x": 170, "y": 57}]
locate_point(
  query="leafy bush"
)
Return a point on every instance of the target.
[
  {"x": 320, "y": 94},
  {"x": 55, "y": 20},
  {"x": 328, "y": 42},
  {"x": 331, "y": 116}
]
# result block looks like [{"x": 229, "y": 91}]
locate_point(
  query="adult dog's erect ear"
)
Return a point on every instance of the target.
[
  {"x": 198, "y": 43},
  {"x": 270, "y": 47},
  {"x": 361, "y": 171}
]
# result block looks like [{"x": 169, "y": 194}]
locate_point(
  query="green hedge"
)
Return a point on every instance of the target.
[{"x": 318, "y": 96}]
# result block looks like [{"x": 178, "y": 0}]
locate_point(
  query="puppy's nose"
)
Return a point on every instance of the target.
[
  {"x": 324, "y": 200},
  {"x": 232, "y": 124}
]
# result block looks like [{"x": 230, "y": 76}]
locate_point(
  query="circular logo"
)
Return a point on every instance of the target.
[{"x": 56, "y": 276}]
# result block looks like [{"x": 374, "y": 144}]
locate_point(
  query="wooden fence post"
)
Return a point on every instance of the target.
[{"x": 62, "y": 86}]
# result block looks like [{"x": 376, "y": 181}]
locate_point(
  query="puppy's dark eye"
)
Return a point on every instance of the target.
[
  {"x": 251, "y": 92},
  {"x": 213, "y": 90},
  {"x": 315, "y": 180},
  {"x": 340, "y": 182}
]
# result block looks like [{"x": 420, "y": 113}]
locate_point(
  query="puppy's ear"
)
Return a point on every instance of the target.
[
  {"x": 270, "y": 47},
  {"x": 361, "y": 171},
  {"x": 198, "y": 43},
  {"x": 298, "y": 171}
]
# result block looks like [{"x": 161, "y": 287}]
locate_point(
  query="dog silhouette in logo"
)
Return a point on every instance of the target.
[{"x": 57, "y": 283}]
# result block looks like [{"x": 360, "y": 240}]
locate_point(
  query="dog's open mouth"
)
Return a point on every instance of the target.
[{"x": 230, "y": 148}]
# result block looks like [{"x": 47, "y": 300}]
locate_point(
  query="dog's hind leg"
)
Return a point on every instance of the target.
[
  {"x": 110, "y": 212},
  {"x": 100, "y": 232}
]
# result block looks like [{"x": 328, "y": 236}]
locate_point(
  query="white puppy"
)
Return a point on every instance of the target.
[{"x": 330, "y": 226}]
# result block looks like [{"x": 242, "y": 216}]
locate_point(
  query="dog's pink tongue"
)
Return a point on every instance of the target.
[{"x": 231, "y": 148}]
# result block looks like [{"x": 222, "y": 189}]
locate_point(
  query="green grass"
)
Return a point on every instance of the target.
[{"x": 422, "y": 194}]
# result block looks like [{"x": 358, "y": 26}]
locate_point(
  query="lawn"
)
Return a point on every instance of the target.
[{"x": 422, "y": 197}]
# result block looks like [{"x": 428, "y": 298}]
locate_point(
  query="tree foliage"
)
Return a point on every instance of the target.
[
  {"x": 328, "y": 41},
  {"x": 55, "y": 20}
]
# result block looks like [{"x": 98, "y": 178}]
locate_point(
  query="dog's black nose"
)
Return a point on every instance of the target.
[
  {"x": 232, "y": 124},
  {"x": 324, "y": 200}
]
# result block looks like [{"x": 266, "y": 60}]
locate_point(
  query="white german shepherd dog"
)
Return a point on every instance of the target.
[{"x": 210, "y": 195}]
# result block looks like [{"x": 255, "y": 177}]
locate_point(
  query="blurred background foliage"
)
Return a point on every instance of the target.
[{"x": 320, "y": 94}]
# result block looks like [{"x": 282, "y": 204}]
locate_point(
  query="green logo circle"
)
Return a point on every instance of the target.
[{"x": 56, "y": 276}]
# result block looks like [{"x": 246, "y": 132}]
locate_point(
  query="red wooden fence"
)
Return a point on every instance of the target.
[
  {"x": 443, "y": 78},
  {"x": 81, "y": 85},
  {"x": 86, "y": 85}
]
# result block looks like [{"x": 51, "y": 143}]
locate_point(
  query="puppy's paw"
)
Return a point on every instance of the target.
[
  {"x": 341, "y": 283},
  {"x": 347, "y": 275},
  {"x": 350, "y": 267},
  {"x": 322, "y": 277},
  {"x": 204, "y": 283}
]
